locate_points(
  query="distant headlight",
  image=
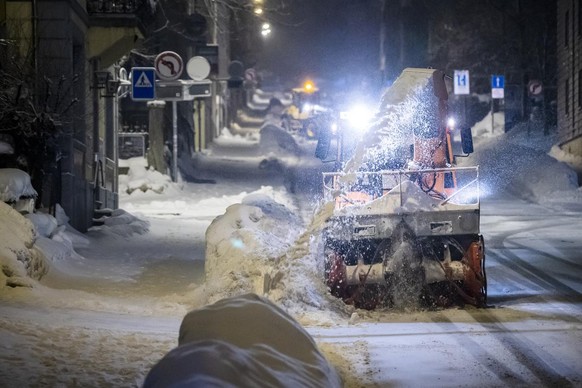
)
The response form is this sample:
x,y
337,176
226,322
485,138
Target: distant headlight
x,y
451,123
333,127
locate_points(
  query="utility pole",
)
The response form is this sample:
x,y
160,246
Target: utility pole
x,y
216,84
382,43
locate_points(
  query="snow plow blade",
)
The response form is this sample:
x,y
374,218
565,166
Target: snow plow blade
x,y
389,243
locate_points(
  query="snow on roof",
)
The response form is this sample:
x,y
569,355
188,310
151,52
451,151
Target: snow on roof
x,y
6,148
14,184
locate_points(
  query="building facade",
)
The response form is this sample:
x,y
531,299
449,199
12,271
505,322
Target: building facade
x,y
569,54
73,46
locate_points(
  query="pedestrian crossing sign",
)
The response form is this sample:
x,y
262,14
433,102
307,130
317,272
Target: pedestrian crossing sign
x,y
143,83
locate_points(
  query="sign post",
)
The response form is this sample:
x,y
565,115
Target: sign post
x,y
497,86
497,92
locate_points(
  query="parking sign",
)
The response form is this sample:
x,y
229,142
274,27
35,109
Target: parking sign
x,y
143,83
461,82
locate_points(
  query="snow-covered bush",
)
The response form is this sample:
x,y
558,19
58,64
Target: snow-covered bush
x,y
19,260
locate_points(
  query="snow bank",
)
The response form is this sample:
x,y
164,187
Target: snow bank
x,y
268,348
518,161
574,161
120,224
242,245
482,129
259,246
140,178
278,140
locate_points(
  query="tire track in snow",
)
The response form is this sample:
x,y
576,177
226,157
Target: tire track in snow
x,y
547,368
540,278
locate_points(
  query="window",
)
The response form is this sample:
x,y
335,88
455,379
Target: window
x,y
567,28
567,97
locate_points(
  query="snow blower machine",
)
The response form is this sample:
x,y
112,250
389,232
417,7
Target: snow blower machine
x,y
404,231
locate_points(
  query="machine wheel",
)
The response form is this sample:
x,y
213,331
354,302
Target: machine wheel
x,y
476,280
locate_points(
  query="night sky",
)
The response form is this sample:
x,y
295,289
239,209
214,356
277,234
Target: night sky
x,y
335,42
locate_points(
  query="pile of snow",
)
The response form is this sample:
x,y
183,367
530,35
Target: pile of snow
x,y
278,140
519,162
482,129
140,178
15,184
120,223
574,161
56,239
260,246
268,348
242,246
228,137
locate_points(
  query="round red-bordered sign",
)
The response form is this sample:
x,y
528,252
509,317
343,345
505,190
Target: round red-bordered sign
x,y
535,87
169,65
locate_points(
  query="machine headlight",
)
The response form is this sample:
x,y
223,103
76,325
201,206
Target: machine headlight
x,y
358,117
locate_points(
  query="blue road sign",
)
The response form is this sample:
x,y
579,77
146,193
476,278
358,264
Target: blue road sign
x,y
143,83
497,82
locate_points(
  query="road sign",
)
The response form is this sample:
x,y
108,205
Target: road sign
x,y
169,65
182,90
461,82
143,83
535,87
497,82
198,68
497,86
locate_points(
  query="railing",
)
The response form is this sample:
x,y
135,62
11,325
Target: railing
x,y
455,185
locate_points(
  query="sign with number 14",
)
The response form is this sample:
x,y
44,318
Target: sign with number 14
x,y
461,82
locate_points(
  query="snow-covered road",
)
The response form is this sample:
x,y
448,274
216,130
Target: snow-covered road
x,y
105,318
531,335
